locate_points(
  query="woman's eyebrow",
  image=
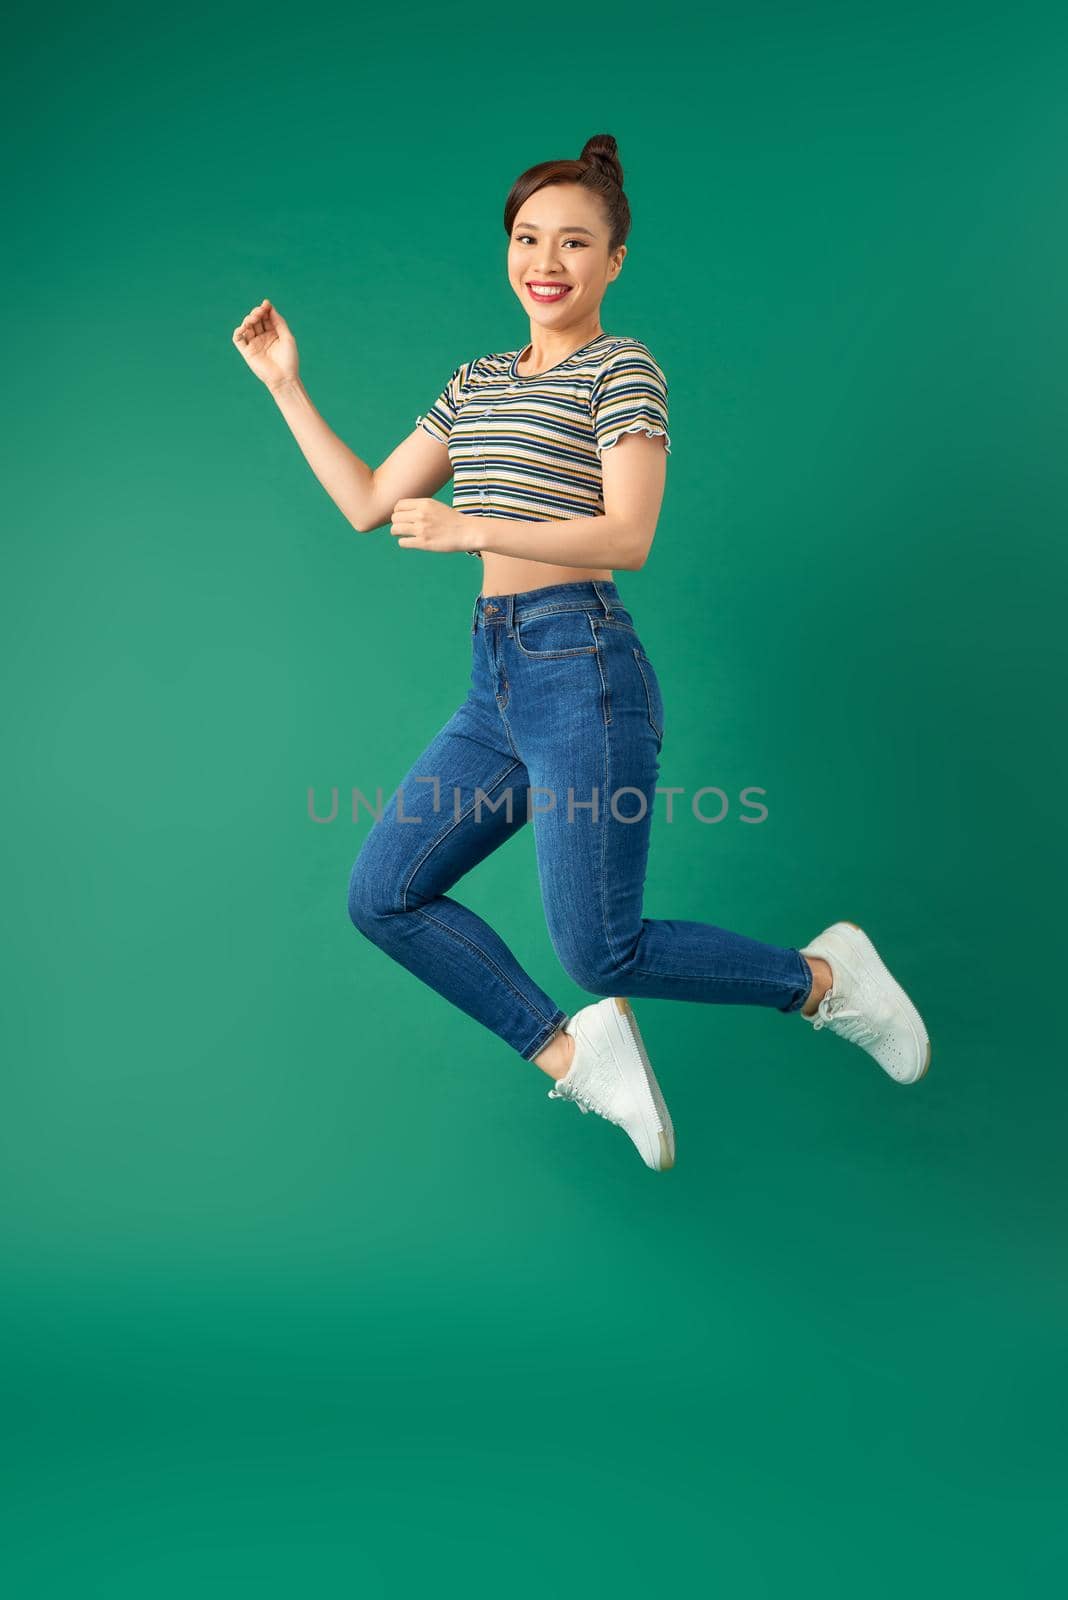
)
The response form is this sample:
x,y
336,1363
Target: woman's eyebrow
x,y
577,229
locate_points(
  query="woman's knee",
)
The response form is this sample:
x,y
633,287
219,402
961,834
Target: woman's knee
x,y
589,963
373,897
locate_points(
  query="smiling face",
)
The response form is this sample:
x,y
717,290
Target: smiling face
x,y
559,243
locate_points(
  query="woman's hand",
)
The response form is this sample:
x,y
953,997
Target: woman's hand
x,y
428,525
266,343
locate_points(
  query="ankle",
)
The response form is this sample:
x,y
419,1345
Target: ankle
x,y
556,1057
821,982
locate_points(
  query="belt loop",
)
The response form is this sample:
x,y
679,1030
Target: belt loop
x,y
601,598
474,613
511,615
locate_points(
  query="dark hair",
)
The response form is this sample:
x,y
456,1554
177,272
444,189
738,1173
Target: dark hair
x,y
597,168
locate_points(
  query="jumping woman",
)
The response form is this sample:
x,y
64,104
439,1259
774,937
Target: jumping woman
x,y
558,456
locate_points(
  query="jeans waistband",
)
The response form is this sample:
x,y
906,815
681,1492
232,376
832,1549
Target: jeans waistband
x,y
579,596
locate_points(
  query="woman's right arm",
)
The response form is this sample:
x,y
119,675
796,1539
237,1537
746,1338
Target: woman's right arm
x,y
364,495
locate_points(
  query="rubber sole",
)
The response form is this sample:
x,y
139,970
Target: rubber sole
x,y
666,1133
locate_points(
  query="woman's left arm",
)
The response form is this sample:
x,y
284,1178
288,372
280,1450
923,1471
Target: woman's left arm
x,y
633,476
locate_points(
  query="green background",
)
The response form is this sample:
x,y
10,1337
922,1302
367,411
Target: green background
x,y
307,1286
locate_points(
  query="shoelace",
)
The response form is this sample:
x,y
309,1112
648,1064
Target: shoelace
x,y
571,1094
584,1103
844,1020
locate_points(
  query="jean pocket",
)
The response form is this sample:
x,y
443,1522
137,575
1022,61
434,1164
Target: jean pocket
x,y
554,635
654,700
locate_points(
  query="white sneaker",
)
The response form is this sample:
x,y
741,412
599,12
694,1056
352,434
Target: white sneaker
x,y
610,1073
867,1006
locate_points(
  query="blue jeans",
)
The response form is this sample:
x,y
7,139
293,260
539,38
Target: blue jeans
x,y
562,726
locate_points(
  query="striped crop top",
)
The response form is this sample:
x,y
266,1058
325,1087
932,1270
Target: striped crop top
x,y
530,448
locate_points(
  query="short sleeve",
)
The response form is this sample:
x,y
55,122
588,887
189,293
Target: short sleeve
x,y
438,420
629,395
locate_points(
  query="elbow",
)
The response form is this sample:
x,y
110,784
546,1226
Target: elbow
x,y
365,524
367,521
636,552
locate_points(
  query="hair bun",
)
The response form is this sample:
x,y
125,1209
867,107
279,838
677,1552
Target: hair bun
x,y
602,152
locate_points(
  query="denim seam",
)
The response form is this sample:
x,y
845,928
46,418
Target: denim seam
x,y
606,688
604,851
420,911
508,733
547,655
523,615
441,837
648,697
477,949
491,668
704,977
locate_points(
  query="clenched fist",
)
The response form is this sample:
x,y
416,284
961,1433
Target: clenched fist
x,y
267,345
428,525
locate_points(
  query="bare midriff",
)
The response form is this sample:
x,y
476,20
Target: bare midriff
x,y
513,575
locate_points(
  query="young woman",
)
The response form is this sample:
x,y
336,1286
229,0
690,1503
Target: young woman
x,y
558,455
